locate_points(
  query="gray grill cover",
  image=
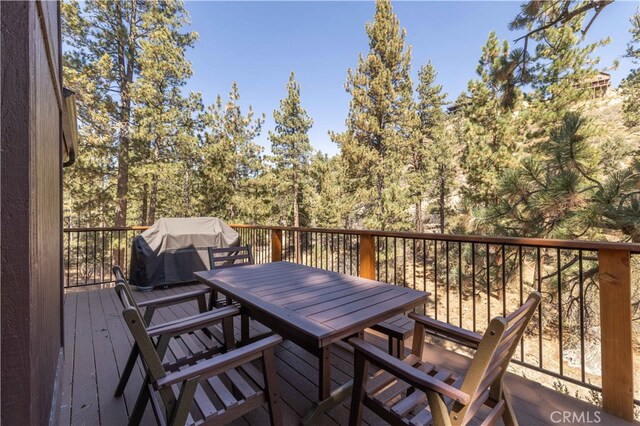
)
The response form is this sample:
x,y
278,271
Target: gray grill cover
x,y
173,249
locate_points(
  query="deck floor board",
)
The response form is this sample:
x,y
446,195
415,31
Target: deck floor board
x,y
97,344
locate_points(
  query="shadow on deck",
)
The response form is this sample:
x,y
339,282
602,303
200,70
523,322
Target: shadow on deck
x,y
97,344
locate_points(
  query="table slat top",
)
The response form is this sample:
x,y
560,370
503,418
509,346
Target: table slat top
x,y
322,304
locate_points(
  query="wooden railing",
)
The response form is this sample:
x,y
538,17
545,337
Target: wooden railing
x,y
582,332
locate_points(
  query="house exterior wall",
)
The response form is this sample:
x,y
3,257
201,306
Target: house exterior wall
x,y
30,182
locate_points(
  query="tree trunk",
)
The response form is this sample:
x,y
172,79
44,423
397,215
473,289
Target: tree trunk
x,y
419,220
379,187
187,193
153,199
126,67
123,171
145,206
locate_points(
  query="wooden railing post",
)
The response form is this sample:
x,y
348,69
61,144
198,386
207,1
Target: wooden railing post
x,y
276,245
367,257
615,331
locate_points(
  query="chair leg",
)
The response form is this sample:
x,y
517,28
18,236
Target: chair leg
x,y
141,404
360,368
227,331
271,388
128,368
184,402
439,410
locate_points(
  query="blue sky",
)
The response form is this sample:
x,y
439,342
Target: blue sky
x,y
257,44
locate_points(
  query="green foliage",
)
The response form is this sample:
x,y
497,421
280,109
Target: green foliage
x,y
565,191
230,173
125,61
291,153
379,125
630,86
494,122
432,165
546,195
561,67
330,204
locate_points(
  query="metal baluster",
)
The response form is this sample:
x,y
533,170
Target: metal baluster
x,y
560,343
473,284
581,298
446,245
460,283
435,276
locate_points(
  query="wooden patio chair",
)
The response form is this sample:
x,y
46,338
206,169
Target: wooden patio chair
x,y
230,257
213,390
416,392
205,317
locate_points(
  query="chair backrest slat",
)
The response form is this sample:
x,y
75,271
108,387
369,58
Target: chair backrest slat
x,y
224,257
494,353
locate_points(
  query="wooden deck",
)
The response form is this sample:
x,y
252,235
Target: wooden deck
x,y
97,343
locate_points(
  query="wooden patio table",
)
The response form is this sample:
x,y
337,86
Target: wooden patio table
x,y
313,308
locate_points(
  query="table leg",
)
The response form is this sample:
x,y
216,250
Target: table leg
x,y
324,382
327,399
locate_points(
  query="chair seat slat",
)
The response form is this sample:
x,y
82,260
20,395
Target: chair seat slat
x,y
240,384
422,418
203,402
222,392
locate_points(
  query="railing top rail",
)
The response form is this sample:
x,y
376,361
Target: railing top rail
x,y
480,239
107,228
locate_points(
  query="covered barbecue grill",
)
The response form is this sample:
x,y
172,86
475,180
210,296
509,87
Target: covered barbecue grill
x,y
171,250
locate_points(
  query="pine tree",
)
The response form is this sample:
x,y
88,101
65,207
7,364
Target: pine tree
x,y
557,133
493,128
164,125
568,189
291,151
231,170
538,17
546,196
330,208
560,68
630,86
102,65
433,156
379,125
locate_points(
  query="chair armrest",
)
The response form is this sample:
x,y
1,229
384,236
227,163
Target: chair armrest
x,y
464,337
192,323
220,363
406,372
174,299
